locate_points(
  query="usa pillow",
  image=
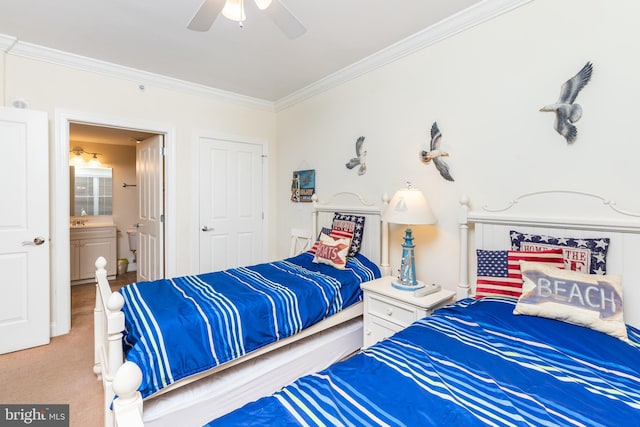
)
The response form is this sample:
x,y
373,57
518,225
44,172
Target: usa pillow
x,y
580,254
499,271
350,226
332,251
590,300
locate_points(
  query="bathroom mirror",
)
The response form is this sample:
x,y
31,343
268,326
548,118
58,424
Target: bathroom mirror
x,y
91,191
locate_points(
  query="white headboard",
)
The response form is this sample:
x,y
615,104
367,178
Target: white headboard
x,y
375,242
562,214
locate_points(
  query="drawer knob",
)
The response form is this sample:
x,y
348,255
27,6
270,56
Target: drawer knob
x,y
368,331
389,312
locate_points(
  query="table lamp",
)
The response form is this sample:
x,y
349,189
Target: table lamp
x,y
409,207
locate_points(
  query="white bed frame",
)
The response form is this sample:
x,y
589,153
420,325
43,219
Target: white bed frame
x,y
557,213
123,378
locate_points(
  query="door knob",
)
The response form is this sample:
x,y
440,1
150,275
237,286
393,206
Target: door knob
x,y
205,228
36,242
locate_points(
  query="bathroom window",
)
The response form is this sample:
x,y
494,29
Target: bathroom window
x,y
92,191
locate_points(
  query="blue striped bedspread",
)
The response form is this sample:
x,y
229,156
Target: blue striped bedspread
x,y
175,328
472,363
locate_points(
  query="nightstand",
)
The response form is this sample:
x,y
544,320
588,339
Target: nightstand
x,y
387,310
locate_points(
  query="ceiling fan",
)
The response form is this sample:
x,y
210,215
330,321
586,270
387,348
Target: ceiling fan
x,y
234,10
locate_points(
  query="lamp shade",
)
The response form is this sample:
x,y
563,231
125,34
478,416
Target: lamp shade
x,y
409,206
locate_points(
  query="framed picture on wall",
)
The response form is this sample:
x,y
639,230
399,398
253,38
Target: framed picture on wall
x,y
303,185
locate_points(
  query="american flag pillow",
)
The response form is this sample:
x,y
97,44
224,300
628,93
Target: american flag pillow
x,y
499,271
349,226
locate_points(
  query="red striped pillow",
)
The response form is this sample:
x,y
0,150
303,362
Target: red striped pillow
x,y
314,248
499,271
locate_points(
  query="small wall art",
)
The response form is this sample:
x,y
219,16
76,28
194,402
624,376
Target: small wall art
x,y
303,185
567,113
434,153
360,159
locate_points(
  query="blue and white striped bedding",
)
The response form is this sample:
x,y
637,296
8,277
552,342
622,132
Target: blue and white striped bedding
x,y
470,364
179,327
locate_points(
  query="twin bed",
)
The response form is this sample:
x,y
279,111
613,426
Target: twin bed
x,y
200,346
475,362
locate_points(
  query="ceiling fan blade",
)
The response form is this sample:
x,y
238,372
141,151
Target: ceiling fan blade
x,y
285,19
206,15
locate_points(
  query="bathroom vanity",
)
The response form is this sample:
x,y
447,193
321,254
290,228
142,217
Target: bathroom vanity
x,y
88,242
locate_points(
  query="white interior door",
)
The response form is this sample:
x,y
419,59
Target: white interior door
x,y
150,237
24,229
231,204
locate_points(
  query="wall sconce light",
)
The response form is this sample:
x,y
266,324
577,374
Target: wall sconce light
x,y
78,160
409,207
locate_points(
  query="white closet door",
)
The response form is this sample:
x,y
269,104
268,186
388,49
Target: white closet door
x,y
230,204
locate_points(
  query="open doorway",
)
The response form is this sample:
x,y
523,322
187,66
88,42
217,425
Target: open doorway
x,y
104,190
60,207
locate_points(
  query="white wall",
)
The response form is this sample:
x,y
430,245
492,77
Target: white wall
x,y
53,88
484,87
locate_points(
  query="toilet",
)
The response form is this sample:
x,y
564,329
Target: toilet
x,y
133,242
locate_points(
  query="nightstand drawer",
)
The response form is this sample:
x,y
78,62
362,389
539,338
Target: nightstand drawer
x,y
391,310
376,329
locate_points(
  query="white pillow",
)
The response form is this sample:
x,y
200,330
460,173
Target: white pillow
x,y
590,300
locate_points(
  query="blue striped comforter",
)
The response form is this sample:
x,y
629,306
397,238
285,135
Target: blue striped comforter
x,y
179,327
473,363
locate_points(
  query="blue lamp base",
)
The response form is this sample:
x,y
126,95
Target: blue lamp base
x,y
406,280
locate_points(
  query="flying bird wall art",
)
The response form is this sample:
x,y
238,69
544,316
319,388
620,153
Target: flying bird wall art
x,y
434,153
360,159
567,113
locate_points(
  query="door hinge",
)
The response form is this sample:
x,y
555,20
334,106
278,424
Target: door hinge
x,y
263,216
162,218
164,150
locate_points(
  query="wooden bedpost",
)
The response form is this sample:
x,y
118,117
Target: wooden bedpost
x,y
314,212
127,407
108,325
463,285
384,260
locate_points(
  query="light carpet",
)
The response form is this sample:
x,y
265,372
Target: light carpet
x,y
62,371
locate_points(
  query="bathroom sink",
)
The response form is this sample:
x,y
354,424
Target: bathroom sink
x,y
92,225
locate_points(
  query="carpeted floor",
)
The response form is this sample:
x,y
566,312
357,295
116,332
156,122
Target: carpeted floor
x,y
62,371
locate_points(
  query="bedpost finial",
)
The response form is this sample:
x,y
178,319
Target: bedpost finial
x,y
385,198
115,302
464,200
101,263
127,380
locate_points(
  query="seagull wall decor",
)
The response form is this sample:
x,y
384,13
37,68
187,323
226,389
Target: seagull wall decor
x,y
567,113
434,153
360,159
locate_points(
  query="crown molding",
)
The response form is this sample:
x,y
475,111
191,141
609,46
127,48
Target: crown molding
x,y
461,21
6,42
40,53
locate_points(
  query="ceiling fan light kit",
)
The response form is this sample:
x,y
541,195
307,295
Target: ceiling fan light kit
x,y
263,4
234,10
